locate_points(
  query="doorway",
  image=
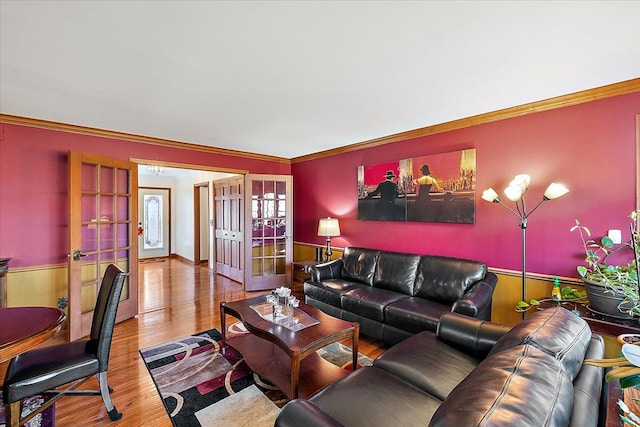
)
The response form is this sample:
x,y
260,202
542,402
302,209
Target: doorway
x,y
196,218
202,219
189,193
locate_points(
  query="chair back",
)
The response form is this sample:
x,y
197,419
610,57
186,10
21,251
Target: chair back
x,y
104,314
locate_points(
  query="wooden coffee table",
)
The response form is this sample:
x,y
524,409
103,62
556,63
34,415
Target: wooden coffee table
x,y
285,357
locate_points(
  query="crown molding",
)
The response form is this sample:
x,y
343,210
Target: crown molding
x,y
84,130
608,91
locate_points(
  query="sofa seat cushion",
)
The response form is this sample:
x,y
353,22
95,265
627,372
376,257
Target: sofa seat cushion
x,y
415,314
521,386
419,360
556,331
371,396
444,279
369,302
329,291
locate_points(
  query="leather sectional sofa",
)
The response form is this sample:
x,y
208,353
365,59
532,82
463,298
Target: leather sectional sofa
x,y
396,295
470,373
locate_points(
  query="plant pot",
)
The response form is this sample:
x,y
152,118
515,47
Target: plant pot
x,y
604,301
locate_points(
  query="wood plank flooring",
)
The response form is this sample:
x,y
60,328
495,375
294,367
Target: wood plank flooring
x,y
176,299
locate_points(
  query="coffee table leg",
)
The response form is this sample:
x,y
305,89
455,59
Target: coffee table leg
x,y
355,338
223,325
295,371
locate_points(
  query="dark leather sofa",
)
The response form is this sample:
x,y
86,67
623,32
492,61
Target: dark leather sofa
x,y
470,373
395,295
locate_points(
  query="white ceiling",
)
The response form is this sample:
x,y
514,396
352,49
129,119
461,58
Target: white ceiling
x,y
290,78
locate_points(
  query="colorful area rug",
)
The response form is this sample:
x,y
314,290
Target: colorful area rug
x,y
46,418
200,386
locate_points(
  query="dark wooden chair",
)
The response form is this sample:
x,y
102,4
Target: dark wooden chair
x,y
42,371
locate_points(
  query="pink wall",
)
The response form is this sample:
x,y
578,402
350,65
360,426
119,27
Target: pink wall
x,y
565,145
589,147
33,184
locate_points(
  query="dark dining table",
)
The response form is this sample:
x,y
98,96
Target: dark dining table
x,y
22,328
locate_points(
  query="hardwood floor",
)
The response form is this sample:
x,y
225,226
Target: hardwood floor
x,y
176,299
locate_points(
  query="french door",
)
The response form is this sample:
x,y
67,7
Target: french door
x,y
268,244
102,211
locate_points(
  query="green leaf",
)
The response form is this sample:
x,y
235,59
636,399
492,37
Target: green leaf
x,y
568,292
522,304
582,270
572,293
534,302
607,242
631,381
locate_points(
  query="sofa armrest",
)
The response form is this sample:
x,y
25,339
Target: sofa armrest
x,y
472,336
328,270
300,412
477,300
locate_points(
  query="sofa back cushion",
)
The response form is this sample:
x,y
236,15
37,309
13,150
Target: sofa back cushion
x,y
396,272
556,331
444,279
521,386
359,264
587,388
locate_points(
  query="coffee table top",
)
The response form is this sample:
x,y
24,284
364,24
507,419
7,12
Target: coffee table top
x,y
305,340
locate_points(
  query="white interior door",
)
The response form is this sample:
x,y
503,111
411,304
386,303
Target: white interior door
x,y
154,214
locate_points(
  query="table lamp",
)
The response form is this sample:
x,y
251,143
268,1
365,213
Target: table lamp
x,y
328,227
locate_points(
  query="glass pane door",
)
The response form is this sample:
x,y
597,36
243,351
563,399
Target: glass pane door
x,y
101,233
269,248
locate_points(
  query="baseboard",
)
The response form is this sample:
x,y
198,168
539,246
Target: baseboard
x,y
181,258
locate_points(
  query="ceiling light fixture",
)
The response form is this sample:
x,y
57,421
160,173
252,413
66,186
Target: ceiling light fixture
x,y
156,170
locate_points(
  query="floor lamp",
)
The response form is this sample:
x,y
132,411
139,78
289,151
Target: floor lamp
x,y
515,192
328,227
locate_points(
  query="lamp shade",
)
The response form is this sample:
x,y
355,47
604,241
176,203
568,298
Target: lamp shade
x,y
490,195
555,190
523,180
514,192
328,227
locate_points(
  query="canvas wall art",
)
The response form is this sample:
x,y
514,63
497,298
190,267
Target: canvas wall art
x,y
433,188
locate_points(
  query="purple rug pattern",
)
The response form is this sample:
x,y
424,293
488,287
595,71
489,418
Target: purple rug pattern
x,y
47,418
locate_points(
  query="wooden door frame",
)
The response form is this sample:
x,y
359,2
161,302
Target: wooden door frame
x,y
197,205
